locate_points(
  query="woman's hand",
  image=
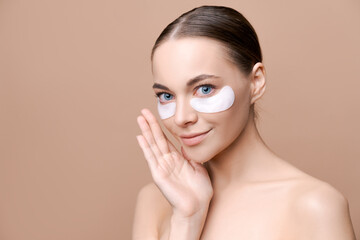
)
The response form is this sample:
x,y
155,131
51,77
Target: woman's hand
x,y
185,184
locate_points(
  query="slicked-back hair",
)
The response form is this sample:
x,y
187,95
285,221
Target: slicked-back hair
x,y
223,24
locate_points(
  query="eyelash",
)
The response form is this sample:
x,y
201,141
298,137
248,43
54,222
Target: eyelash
x,y
206,85
195,90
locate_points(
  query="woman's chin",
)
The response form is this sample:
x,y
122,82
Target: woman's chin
x,y
196,155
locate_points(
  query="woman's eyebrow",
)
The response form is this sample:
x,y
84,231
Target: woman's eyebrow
x,y
160,86
199,78
189,83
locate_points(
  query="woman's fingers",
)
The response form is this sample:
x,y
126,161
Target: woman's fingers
x,y
156,145
157,132
172,148
149,156
147,133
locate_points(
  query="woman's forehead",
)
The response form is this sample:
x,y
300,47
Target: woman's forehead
x,y
185,58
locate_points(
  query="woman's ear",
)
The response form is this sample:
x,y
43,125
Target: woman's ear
x,y
258,82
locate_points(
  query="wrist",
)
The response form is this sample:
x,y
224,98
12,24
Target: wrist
x,y
191,211
187,227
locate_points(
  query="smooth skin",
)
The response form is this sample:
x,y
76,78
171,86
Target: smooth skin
x,y
230,185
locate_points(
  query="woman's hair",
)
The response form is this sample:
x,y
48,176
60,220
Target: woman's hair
x,y
223,24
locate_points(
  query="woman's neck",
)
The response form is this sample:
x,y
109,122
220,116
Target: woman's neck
x,y
247,159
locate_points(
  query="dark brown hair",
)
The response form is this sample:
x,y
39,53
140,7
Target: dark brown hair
x,y
223,24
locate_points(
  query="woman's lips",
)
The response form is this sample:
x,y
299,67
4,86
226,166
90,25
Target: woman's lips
x,y
193,139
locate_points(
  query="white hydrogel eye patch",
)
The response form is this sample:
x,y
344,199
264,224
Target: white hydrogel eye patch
x,y
222,101
166,110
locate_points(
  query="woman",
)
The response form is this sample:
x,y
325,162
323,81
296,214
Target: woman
x,y
225,183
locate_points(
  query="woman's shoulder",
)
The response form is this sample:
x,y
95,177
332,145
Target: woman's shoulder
x,y
307,188
151,210
319,206
317,196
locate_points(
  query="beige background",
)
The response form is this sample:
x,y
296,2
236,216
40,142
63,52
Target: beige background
x,y
74,74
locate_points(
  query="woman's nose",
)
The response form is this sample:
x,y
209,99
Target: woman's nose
x,y
185,115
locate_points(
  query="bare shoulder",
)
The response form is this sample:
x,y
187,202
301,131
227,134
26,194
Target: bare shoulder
x,y
321,210
320,199
151,209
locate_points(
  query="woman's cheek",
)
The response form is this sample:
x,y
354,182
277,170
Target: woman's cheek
x,y
169,127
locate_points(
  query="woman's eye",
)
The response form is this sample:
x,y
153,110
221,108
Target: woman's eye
x,y
165,97
204,90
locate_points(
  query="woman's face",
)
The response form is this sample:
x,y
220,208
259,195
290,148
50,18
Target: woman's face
x,y
189,68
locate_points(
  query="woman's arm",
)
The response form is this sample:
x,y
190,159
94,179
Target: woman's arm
x,y
187,228
152,209
185,184
149,212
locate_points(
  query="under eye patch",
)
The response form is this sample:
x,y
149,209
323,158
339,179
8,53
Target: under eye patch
x,y
222,101
166,110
